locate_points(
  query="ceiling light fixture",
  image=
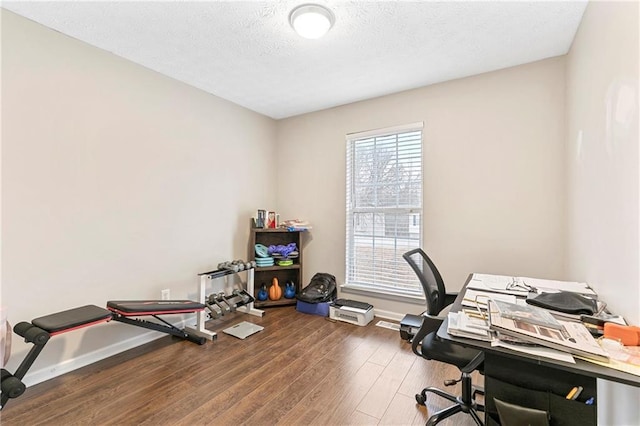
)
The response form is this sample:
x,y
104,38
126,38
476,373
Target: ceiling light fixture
x,y
311,20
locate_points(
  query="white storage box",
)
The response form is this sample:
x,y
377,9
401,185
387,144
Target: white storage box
x,y
359,316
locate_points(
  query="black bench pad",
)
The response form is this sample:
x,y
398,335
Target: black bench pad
x,y
153,307
72,318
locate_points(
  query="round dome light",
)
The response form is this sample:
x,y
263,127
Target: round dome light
x,y
311,20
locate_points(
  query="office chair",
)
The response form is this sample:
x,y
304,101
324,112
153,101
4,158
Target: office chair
x,y
427,345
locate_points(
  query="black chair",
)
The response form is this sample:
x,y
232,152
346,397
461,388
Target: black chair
x,y
427,345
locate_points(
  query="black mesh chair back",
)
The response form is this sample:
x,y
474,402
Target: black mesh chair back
x,y
430,278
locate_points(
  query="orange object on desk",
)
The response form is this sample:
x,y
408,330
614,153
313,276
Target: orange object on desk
x,y
629,335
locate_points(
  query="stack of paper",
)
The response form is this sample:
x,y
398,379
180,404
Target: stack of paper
x,y
479,299
552,286
462,325
496,284
522,286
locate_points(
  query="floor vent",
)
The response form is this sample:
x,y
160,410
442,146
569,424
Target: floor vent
x,y
389,325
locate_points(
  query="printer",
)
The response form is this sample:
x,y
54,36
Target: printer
x,y
351,311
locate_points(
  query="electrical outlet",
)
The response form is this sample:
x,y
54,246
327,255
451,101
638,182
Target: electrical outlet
x,y
166,294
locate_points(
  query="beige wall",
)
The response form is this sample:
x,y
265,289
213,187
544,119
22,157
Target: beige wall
x,y
603,173
494,197
117,182
602,154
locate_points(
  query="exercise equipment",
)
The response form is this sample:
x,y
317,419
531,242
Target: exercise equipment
x,y
236,265
214,313
40,330
263,259
219,304
290,290
261,250
124,310
223,299
262,293
282,251
275,292
239,299
264,262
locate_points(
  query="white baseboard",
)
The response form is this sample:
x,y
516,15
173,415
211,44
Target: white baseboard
x,y
34,377
388,314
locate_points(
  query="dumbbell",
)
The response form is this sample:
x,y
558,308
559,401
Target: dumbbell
x,y
223,297
213,299
213,312
229,266
241,297
239,263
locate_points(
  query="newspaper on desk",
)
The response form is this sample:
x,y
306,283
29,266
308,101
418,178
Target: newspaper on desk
x,y
572,337
540,351
553,286
479,299
522,286
459,324
496,284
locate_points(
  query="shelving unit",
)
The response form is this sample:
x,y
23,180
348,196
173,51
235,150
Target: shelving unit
x,y
265,275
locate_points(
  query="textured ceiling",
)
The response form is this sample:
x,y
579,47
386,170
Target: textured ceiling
x,y
247,53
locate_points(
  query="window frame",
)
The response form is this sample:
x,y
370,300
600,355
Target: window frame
x,y
377,289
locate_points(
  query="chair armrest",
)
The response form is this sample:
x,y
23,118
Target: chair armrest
x,y
430,324
474,364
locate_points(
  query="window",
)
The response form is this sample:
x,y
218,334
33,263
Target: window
x,y
384,209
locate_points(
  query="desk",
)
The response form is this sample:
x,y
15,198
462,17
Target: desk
x,y
535,381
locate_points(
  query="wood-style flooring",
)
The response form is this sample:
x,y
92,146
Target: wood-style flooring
x,y
300,370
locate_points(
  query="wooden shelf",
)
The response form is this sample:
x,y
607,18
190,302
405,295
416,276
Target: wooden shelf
x,y
273,230
268,303
265,275
277,268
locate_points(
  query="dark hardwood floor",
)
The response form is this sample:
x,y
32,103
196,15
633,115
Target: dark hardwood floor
x,y
300,370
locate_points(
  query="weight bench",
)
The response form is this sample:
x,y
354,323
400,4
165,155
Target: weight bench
x,y
40,330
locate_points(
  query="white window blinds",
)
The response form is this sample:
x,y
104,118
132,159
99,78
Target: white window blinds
x,y
384,208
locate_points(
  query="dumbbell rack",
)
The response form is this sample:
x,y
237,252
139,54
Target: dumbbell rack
x,y
205,279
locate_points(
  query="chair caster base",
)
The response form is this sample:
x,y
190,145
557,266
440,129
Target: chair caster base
x,y
421,398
